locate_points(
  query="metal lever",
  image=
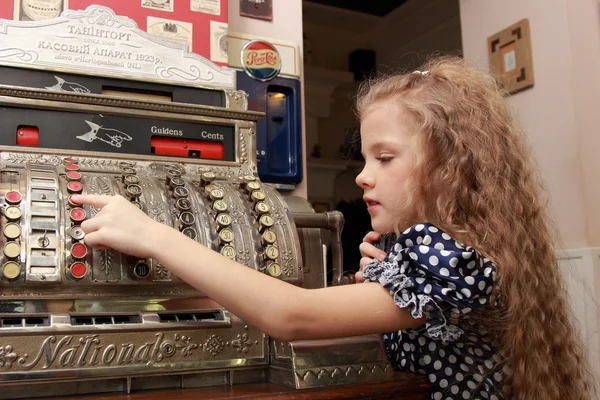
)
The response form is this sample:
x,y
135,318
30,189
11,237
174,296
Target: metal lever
x,y
334,222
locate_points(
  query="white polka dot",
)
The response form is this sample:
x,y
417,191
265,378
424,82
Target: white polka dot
x,y
484,394
459,376
432,347
427,289
453,262
420,280
422,340
433,260
427,360
464,367
442,353
471,384
478,377
466,292
414,256
437,365
406,347
432,378
452,358
444,272
446,290
448,371
433,229
469,360
424,249
419,227
439,246
489,364
466,395
458,244
427,240
489,290
454,389
443,383
487,271
419,240
494,397
408,242
467,254
446,236
437,396
481,285
470,280
471,264
498,377
479,352
403,362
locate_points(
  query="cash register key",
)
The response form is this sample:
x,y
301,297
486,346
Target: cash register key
x,y
207,177
180,192
225,236
262,208
183,204
133,191
219,206
71,167
176,182
248,178
13,197
228,251
210,188
251,186
257,196
223,220
11,270
264,222
77,215
74,187
268,237
274,269
12,231
70,160
13,213
128,171
12,250
131,179
190,232
216,194
73,176
187,218
79,251
77,233
137,204
72,203
271,253
77,270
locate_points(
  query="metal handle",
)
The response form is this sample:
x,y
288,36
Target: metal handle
x,y
334,222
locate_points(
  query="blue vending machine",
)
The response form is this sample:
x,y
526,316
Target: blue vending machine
x,y
279,133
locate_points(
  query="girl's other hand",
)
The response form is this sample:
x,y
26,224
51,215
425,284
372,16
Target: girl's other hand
x,y
120,225
368,252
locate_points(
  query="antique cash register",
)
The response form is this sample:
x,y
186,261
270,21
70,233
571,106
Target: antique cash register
x,y
90,103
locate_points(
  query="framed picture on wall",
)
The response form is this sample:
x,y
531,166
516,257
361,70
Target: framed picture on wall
x,y
510,57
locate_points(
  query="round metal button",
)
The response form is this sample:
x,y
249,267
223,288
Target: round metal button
x,y
12,249
216,194
261,207
187,218
249,178
12,231
190,232
72,203
71,167
269,237
265,221
77,215
180,192
13,197
79,251
220,206
208,177
78,270
73,176
131,179
74,187
257,196
71,160
11,270
271,253
226,236
228,251
128,171
183,204
13,213
253,186
223,220
210,188
133,191
274,269
77,233
176,182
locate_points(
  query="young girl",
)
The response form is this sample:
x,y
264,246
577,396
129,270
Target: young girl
x,y
470,291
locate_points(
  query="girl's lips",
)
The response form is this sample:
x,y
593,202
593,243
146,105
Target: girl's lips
x,y
372,205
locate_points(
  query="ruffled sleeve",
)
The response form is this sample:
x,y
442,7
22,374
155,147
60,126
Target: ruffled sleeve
x,y
429,273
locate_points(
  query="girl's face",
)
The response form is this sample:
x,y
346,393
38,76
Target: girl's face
x,y
389,161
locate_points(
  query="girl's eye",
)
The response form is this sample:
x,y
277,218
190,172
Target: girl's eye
x,y
384,159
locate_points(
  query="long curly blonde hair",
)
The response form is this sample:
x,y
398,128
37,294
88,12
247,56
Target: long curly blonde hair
x,y
474,177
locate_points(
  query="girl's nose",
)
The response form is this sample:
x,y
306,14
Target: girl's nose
x,y
364,179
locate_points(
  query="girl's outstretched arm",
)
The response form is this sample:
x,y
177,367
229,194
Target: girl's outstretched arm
x,y
281,310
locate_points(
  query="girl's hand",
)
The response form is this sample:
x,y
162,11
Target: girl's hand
x,y
368,253
120,225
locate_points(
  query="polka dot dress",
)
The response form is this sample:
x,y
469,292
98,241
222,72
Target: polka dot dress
x,y
433,275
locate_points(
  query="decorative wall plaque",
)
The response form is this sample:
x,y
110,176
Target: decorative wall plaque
x,y
261,9
98,42
510,56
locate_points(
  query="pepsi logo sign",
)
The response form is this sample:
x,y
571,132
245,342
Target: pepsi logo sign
x,y
260,60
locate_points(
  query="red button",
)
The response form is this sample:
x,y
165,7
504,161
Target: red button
x,y
73,176
70,160
78,251
74,187
77,214
78,270
72,167
72,203
13,197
